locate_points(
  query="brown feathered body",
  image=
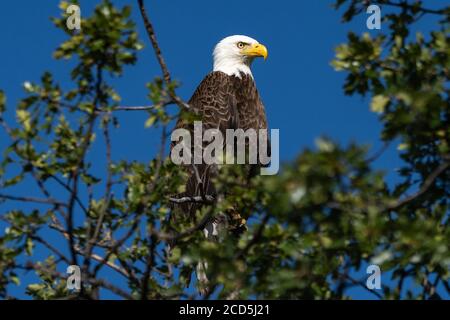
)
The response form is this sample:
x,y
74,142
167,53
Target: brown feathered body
x,y
222,102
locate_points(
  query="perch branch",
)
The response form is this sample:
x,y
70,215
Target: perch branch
x,y
207,199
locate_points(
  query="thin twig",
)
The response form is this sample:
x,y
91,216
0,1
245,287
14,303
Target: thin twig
x,y
93,238
67,187
51,248
378,154
33,199
207,199
75,174
5,126
139,108
360,284
424,188
102,260
166,74
151,34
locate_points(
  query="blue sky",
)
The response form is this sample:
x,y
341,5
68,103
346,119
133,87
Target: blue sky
x,y
302,93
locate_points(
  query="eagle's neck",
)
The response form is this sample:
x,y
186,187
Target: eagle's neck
x,y
232,67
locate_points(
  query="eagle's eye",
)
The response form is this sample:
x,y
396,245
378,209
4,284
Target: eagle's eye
x,y
241,45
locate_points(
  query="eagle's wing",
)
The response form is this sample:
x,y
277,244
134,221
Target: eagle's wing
x,y
251,111
221,102
215,103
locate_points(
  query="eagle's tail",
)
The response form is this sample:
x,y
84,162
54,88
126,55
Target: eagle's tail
x,y
213,232
221,226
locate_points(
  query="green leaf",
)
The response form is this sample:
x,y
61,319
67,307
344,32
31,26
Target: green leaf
x,y
150,121
15,280
379,103
2,101
29,245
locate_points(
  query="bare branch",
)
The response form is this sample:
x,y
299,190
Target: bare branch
x,y
51,248
207,199
113,249
103,283
67,187
102,260
380,152
360,283
93,238
84,146
136,108
139,108
151,34
5,126
109,264
424,188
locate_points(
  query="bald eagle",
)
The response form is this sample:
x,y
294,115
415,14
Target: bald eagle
x,y
227,98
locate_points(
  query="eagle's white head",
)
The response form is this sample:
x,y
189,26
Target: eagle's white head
x,y
234,55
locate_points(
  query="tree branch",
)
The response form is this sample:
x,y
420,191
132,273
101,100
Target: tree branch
x,y
207,199
424,188
378,153
360,284
139,108
67,187
49,201
102,260
93,238
151,34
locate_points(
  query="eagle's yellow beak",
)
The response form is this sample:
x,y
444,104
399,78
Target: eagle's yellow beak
x,y
256,50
